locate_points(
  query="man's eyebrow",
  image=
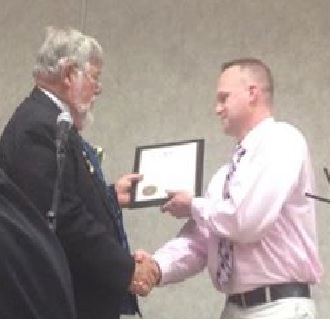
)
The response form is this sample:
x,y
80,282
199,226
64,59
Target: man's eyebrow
x,y
221,96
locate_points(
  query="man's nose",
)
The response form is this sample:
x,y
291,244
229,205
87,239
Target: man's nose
x,y
98,89
219,108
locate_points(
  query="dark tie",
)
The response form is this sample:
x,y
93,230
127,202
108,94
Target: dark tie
x,y
225,247
129,305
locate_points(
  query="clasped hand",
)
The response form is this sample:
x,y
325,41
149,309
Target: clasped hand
x,y
146,275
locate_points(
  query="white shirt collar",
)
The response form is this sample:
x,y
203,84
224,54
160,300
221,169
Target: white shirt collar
x,y
253,137
61,105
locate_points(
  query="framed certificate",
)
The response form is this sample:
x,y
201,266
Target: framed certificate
x,y
320,198
167,167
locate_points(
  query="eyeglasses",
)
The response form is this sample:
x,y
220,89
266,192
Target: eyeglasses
x,y
94,80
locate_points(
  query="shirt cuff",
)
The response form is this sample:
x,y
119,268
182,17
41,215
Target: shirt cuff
x,y
197,209
163,267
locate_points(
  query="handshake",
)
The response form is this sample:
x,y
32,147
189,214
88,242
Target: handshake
x,y
146,275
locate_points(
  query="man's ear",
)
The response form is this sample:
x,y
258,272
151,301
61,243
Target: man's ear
x,y
68,71
253,92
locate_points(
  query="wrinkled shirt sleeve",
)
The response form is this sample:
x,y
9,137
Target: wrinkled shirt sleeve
x,y
259,189
183,256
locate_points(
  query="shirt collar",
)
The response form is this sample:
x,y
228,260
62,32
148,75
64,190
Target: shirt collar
x,y
61,105
253,137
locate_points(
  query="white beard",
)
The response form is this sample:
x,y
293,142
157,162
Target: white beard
x,y
86,115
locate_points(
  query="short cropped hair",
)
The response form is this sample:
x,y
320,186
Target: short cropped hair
x,y
63,46
258,68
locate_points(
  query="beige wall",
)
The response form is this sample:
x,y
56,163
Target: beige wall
x,y
162,61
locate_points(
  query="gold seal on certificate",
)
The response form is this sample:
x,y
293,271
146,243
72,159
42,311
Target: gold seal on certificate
x,y
149,190
165,167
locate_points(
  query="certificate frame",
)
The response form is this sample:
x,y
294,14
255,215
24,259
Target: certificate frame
x,y
167,166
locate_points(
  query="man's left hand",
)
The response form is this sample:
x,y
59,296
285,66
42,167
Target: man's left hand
x,y
124,186
178,205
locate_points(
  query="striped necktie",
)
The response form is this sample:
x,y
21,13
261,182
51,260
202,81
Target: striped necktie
x,y
225,246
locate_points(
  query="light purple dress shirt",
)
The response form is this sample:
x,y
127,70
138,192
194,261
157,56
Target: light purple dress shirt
x,y
267,217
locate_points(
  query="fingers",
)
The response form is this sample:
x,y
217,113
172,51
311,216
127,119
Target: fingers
x,y
167,206
124,186
140,288
171,194
129,179
144,279
134,177
178,205
125,182
140,254
146,275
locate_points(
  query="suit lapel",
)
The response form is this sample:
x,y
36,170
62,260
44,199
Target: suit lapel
x,y
99,184
74,140
44,100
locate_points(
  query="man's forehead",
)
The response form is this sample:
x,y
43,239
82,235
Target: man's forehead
x,y
231,77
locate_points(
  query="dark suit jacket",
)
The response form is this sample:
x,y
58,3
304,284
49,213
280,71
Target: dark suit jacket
x,y
35,280
101,269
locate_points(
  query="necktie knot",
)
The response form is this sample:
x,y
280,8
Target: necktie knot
x,y
239,153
